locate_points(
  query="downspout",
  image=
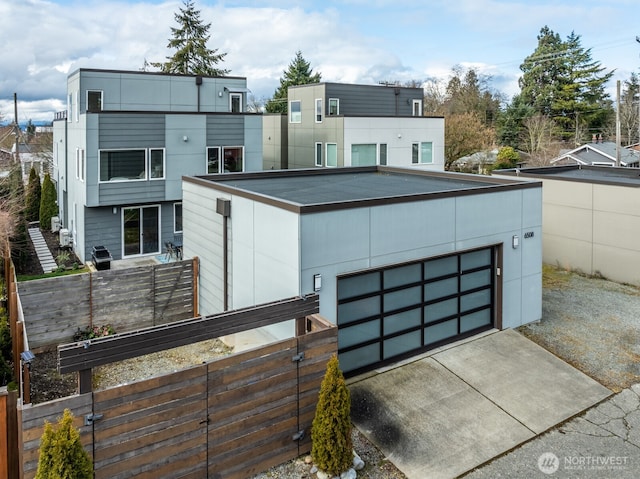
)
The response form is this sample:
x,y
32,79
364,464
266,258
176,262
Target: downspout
x,y
223,207
198,84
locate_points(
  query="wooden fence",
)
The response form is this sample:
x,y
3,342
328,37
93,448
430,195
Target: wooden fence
x,y
231,417
138,297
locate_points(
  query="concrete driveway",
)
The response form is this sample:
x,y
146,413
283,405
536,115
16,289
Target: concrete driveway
x,y
443,414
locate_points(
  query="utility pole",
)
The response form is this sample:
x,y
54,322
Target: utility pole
x,y
618,123
16,127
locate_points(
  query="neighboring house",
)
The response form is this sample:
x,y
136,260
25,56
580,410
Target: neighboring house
x,y
125,141
590,219
404,260
598,153
336,124
36,153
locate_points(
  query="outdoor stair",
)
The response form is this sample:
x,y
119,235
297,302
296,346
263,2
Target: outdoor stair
x,y
42,250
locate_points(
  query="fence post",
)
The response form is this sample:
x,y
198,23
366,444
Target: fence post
x,y
196,273
9,463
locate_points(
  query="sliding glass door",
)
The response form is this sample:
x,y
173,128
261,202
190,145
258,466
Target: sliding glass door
x,y
141,227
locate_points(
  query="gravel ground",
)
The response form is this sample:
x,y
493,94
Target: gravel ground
x,y
593,324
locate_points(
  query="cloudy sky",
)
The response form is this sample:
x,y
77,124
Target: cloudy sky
x,y
354,41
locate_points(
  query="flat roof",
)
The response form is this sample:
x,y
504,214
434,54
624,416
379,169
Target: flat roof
x,y
337,188
609,175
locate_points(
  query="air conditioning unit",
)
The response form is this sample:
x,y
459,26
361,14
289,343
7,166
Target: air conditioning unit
x,y
55,224
64,238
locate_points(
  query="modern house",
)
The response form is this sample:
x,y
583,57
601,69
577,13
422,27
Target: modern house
x,y
598,153
590,218
125,141
403,259
336,124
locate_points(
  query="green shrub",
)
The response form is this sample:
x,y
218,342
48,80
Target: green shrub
x,y
48,202
32,200
61,452
91,332
332,449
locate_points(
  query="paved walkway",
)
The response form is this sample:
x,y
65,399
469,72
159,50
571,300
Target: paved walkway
x,y
447,413
602,443
42,250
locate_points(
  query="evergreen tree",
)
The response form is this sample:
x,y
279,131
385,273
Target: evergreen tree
x,y
298,73
192,56
61,453
332,448
19,239
469,92
629,110
32,200
48,202
561,81
510,123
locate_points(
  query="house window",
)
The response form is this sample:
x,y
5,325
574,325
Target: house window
x,y
123,165
76,106
334,106
235,102
94,100
70,107
213,160
233,159
295,112
363,155
318,110
417,107
177,217
422,152
383,154
80,164
332,154
318,154
156,163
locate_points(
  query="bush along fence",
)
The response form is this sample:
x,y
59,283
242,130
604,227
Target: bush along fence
x,y
231,417
56,308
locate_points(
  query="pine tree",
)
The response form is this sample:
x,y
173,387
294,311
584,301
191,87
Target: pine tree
x,y
332,448
48,202
61,452
192,56
32,200
298,73
561,81
19,238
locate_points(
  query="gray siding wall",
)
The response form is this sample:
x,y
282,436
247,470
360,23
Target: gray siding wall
x,y
363,100
131,191
131,130
225,130
103,227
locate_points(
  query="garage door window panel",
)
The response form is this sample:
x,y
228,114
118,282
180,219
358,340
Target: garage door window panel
x,y
441,267
360,309
359,285
359,333
440,310
401,344
479,319
402,299
441,331
402,321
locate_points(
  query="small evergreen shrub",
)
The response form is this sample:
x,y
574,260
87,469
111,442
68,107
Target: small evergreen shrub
x,y
332,448
32,200
48,202
61,453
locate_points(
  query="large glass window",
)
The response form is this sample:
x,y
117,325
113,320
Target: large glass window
x,y
334,106
94,100
363,155
318,110
422,152
122,165
295,111
332,154
233,159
